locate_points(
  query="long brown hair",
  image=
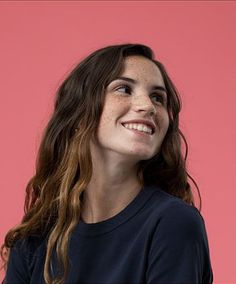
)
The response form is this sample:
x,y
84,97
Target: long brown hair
x,y
64,166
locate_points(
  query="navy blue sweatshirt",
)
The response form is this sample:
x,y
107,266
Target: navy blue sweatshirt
x,y
156,239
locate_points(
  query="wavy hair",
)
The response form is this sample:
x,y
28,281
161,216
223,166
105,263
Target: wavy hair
x,y
53,197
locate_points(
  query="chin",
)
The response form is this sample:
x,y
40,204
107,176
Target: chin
x,y
144,156
147,156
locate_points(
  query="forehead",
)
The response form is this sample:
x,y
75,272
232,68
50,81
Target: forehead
x,y
141,68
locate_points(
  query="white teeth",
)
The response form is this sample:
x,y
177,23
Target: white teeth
x,y
138,126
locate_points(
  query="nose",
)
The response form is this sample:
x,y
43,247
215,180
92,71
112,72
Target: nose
x,y
143,102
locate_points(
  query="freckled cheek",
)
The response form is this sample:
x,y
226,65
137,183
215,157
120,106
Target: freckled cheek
x,y
163,119
108,119
114,110
109,115
166,123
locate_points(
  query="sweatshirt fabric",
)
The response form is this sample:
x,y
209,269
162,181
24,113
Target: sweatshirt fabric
x,y
156,239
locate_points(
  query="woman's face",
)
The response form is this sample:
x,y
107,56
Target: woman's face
x,y
132,104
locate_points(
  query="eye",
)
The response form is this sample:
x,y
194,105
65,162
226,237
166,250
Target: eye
x,y
124,87
159,97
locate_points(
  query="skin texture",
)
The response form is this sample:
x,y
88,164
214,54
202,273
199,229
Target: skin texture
x,y
117,150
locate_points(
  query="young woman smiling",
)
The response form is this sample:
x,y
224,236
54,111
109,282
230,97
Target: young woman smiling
x,y
110,201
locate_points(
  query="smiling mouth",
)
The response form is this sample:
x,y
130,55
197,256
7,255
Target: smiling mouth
x,y
139,131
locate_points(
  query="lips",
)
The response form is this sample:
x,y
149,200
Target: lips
x,y
143,133
142,121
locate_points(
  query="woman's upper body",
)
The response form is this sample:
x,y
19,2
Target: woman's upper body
x,y
157,238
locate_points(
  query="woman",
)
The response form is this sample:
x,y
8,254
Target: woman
x,y
110,201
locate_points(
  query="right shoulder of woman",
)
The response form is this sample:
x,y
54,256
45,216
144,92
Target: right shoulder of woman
x,y
22,258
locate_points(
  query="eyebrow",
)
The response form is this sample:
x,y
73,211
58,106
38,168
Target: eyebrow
x,y
155,87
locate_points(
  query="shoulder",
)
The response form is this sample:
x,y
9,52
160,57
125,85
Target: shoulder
x,y
178,242
29,247
167,204
23,255
174,216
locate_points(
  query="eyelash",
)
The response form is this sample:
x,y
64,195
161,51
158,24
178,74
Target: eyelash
x,y
126,86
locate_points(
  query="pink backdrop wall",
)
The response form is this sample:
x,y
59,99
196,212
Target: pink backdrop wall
x,y
41,41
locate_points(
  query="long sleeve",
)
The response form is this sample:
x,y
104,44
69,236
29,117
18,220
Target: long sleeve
x,y
17,268
179,252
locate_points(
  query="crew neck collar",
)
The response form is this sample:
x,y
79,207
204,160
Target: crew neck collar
x,y
92,229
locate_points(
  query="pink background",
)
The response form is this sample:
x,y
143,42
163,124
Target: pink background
x,y
41,41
